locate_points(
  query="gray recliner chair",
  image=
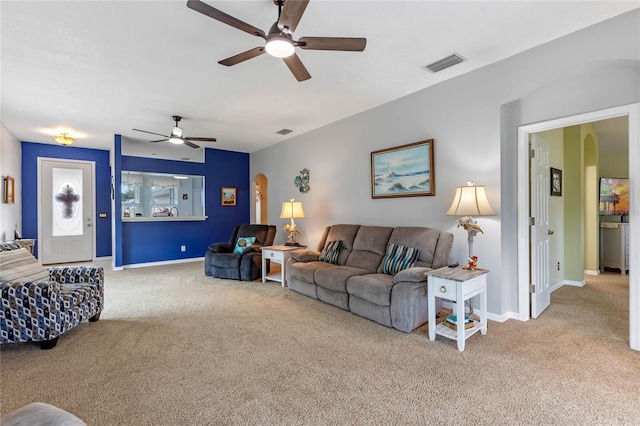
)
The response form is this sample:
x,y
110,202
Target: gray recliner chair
x,y
221,261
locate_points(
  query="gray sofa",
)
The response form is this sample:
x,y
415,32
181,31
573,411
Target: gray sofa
x,y
356,283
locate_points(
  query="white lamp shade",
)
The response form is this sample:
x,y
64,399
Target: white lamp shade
x,y
470,201
292,210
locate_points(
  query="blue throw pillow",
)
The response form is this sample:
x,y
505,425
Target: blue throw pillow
x,y
398,258
242,243
331,252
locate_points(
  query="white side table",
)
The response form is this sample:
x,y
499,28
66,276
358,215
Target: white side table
x,y
278,254
458,285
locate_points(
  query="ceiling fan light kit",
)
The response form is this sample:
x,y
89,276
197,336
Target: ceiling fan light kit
x,y
279,41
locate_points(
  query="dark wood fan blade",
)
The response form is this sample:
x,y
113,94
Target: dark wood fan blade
x,y
191,144
218,15
297,67
291,13
159,140
333,43
201,139
151,133
241,57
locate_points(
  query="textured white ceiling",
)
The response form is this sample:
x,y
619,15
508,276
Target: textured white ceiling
x,y
97,68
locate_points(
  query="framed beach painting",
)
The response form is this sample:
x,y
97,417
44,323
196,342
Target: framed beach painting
x,y
403,171
228,196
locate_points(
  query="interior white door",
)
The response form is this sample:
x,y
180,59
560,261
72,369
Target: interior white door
x,y
540,232
66,211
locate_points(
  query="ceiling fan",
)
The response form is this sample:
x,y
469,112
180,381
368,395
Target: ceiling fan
x,y
176,135
279,40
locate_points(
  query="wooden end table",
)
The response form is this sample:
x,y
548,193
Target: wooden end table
x,y
458,285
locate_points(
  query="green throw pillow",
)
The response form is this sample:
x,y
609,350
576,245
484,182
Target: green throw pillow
x,y
398,258
331,252
242,243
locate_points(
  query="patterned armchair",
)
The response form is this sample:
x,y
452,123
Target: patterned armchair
x,y
42,310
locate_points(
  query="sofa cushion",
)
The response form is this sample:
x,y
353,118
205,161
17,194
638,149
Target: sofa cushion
x,y
374,288
305,255
335,276
424,239
331,252
305,271
242,243
369,247
19,266
398,257
346,234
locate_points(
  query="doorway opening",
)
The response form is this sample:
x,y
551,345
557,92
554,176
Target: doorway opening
x,y
632,112
260,200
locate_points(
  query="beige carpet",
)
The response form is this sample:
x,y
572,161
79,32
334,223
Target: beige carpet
x,y
175,347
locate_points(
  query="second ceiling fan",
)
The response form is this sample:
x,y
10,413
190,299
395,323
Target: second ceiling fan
x,y
279,40
176,136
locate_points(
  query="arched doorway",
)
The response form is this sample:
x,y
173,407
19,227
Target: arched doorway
x,y
260,200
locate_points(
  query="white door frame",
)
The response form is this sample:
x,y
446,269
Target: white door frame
x,y
632,111
93,199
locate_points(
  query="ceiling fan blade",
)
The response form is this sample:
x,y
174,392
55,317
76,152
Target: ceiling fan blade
x,y
291,13
333,43
218,15
297,67
151,133
201,139
241,57
159,140
191,144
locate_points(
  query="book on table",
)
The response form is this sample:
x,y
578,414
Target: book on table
x,y
452,322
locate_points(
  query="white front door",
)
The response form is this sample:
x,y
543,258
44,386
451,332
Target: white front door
x,y
539,209
66,211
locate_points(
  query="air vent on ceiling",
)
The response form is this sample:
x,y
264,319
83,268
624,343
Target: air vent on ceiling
x,y
447,62
284,131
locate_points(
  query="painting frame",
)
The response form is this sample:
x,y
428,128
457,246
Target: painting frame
x,y
555,179
414,174
9,190
228,196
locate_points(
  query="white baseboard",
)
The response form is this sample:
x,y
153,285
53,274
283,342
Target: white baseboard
x,y
588,272
164,262
574,283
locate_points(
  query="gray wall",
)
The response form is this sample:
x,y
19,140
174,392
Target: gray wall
x,y
473,119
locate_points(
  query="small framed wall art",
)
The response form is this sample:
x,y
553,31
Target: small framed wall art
x,y
228,196
403,171
556,182
9,190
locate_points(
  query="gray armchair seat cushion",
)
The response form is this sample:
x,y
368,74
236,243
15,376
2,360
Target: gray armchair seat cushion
x,y
221,262
356,282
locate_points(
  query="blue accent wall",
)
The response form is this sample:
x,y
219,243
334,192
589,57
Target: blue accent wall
x,y
144,242
31,151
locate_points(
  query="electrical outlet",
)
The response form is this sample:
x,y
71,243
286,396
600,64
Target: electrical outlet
x,y
183,248
558,266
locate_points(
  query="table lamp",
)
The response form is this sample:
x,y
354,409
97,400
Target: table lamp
x,y
291,210
470,201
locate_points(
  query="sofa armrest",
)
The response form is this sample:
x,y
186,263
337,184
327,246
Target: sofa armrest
x,y
305,255
77,274
221,248
414,274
